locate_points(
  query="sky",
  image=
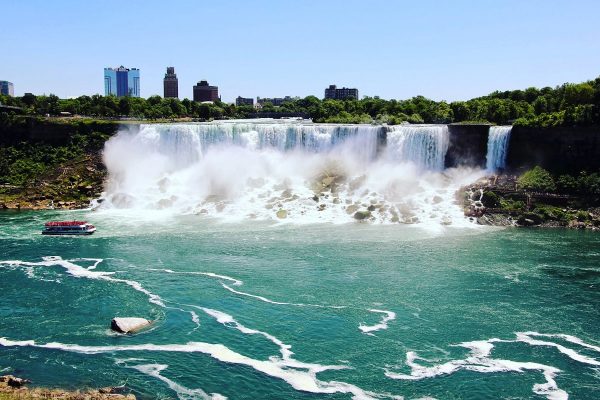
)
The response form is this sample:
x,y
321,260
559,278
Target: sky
x,y
444,50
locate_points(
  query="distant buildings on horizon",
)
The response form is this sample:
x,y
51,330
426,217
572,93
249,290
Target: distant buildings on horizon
x,y
244,101
122,82
171,84
332,92
204,92
7,88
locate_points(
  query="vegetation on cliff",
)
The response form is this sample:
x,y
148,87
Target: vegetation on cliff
x,y
536,197
565,105
51,163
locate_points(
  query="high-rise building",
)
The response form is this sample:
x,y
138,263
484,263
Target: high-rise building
x,y
244,101
332,92
122,82
171,84
7,88
204,92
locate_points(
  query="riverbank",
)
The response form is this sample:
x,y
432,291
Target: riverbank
x,y
500,201
12,388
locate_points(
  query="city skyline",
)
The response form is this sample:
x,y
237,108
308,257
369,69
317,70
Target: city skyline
x,y
444,52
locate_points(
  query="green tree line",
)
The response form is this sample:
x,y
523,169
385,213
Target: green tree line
x,y
565,105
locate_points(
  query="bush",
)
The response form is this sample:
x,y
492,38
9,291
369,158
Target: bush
x,y
537,179
490,199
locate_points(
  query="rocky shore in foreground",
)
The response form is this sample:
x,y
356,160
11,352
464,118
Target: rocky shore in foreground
x,y
12,387
500,201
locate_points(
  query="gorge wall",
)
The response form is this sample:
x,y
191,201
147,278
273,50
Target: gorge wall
x,y
561,149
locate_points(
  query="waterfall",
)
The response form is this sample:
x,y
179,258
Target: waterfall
x,y
424,145
497,147
289,170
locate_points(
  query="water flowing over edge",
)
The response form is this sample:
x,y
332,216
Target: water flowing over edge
x,y
297,172
497,147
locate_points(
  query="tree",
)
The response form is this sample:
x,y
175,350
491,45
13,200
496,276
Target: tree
x,y
575,94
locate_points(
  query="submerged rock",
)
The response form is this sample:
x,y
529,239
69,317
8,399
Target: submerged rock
x,y
128,324
282,214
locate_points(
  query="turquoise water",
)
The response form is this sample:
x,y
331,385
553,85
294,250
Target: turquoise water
x,y
369,311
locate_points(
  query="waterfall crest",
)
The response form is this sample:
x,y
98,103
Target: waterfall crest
x,y
424,145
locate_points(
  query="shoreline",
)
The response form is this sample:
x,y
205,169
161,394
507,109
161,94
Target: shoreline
x,y
14,388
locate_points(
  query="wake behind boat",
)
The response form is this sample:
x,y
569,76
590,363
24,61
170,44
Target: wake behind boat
x,y
68,228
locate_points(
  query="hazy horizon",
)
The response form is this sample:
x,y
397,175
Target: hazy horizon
x,y
272,49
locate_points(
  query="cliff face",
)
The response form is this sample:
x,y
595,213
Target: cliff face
x,y
53,132
559,150
52,164
468,146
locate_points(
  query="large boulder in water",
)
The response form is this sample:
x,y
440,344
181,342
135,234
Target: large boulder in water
x,y
128,325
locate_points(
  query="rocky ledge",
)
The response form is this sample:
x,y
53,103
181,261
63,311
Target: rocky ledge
x,y
12,387
499,201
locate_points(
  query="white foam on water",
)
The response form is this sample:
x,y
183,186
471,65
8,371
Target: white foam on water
x,y
383,324
236,171
236,282
183,392
228,320
568,338
80,272
298,375
572,354
480,360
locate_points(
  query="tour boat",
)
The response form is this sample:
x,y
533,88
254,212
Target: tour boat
x,y
68,228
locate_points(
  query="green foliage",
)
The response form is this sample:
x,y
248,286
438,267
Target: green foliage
x,y
537,179
565,105
512,205
548,212
490,199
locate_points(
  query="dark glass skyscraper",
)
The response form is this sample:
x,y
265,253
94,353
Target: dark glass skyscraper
x,y
171,84
122,82
7,88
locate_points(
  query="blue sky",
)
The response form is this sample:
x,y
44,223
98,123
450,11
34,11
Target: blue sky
x,y
445,50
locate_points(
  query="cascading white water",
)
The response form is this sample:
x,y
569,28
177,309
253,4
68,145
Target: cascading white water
x,y
497,147
425,145
284,170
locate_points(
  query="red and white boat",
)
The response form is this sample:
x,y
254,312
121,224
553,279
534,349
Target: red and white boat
x,y
68,228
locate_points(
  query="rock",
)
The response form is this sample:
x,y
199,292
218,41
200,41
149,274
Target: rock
x,y
13,381
336,200
113,390
315,198
361,215
321,207
371,208
577,225
351,209
282,214
327,181
129,324
437,199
